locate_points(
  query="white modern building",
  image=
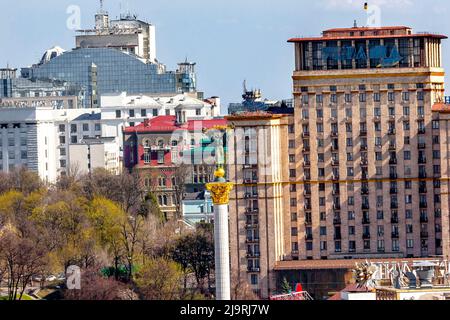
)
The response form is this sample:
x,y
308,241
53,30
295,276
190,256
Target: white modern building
x,y
92,153
122,110
52,139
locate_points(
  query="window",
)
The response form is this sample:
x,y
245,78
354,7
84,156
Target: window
x,y
85,127
11,142
362,97
73,139
420,96
24,155
132,114
435,124
62,140
254,279
98,127
143,113
62,163
118,114
351,215
348,98
405,96
160,157
23,141
319,98
62,151
376,97
292,158
391,96
198,112
155,112
73,128
62,128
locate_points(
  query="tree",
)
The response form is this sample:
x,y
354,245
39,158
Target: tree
x,y
62,221
107,219
159,279
286,286
179,179
20,180
22,258
96,287
240,289
195,253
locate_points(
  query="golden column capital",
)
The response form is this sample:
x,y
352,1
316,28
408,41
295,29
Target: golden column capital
x,y
220,192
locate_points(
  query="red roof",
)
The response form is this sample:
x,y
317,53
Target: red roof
x,y
441,107
419,35
168,124
367,28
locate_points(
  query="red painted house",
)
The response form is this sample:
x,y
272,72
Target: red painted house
x,y
156,147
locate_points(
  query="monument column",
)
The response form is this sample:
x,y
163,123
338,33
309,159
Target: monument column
x,y
220,191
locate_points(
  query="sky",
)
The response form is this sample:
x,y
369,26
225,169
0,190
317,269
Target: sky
x,y
230,40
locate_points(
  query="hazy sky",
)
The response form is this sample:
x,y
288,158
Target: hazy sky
x,y
230,40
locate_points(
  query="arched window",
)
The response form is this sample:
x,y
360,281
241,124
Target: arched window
x,y
146,143
165,202
162,181
160,201
161,143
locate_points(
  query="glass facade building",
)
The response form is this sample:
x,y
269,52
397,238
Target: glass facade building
x,y
102,70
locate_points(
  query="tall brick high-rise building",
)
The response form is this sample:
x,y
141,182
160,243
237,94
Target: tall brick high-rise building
x,y
363,159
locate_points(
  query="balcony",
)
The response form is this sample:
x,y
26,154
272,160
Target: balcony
x,y
253,254
307,192
365,206
334,134
422,189
307,207
337,237
392,161
307,163
423,205
252,240
337,221
394,205
251,225
394,220
392,132
393,175
306,149
422,146
308,222
423,219
335,163
364,191
250,166
392,147
161,148
424,234
251,210
364,176
363,133
305,134
422,160
366,220
364,148
366,236
249,195
336,206
421,131
309,237
393,191
395,235
335,177
336,192
364,162
422,175
253,269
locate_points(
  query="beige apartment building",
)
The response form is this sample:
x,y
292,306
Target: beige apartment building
x,y
363,162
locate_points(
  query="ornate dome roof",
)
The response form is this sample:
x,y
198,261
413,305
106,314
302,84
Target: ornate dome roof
x,y
51,53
